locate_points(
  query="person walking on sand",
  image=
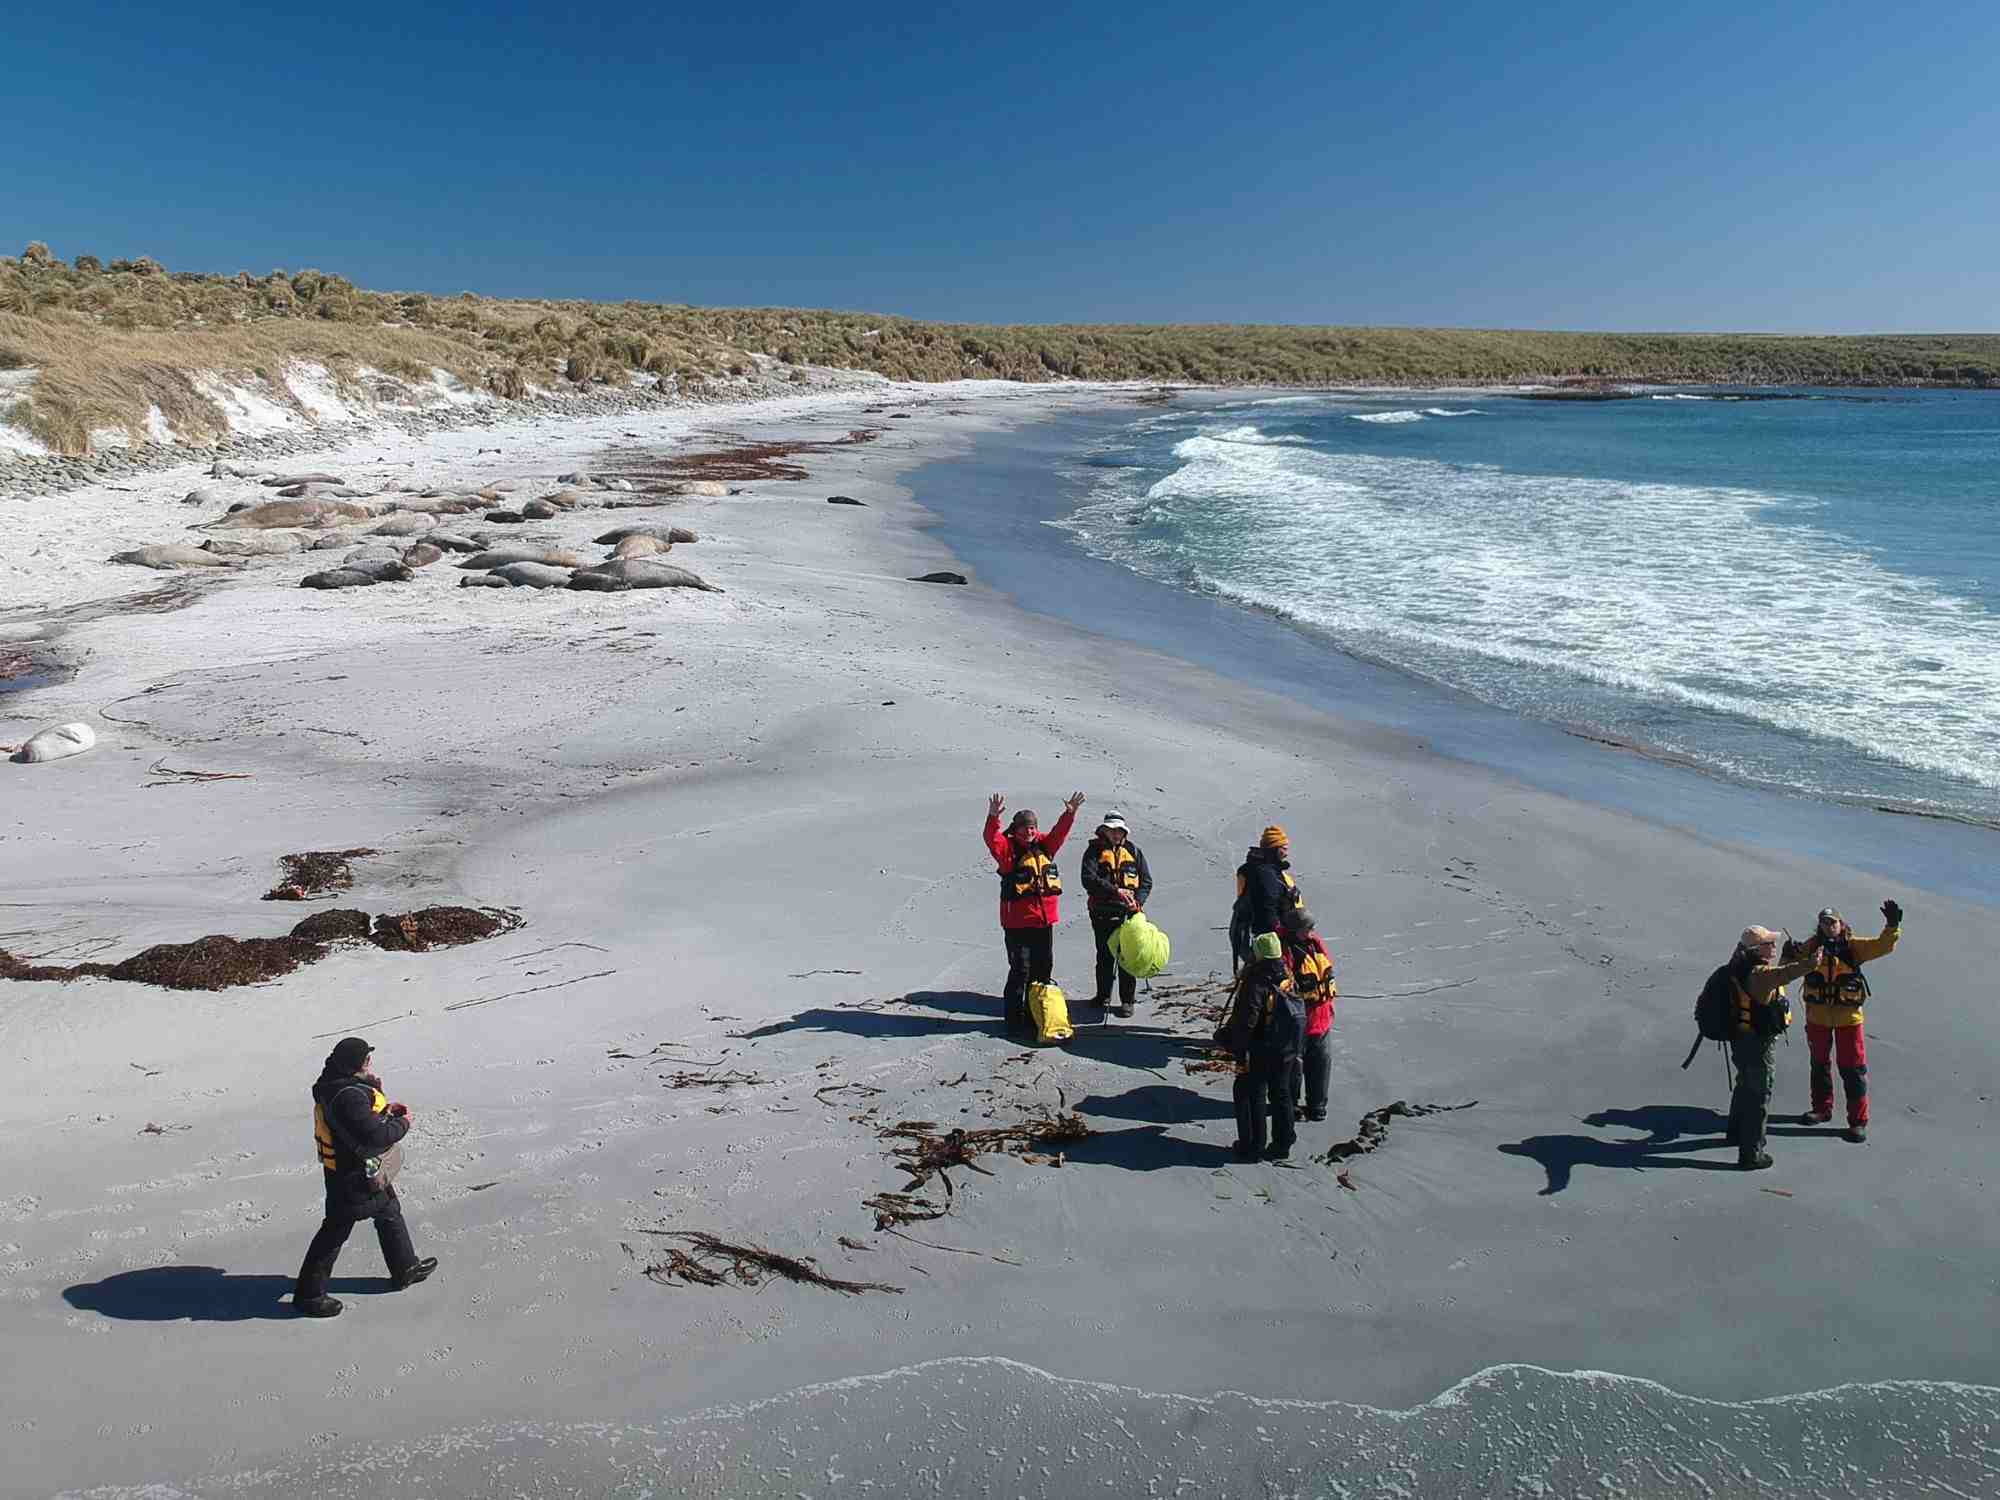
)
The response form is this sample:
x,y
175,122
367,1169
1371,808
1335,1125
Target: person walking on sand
x,y
358,1133
1263,1031
1030,897
1311,968
1835,991
1760,1015
1117,882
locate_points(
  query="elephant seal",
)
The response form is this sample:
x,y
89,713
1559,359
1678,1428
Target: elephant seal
x,y
505,517
408,523
484,581
221,470
287,481
576,476
710,487
334,539
206,494
659,529
844,500
533,575
649,573
540,510
167,556
422,555
57,743
640,544
602,583
377,553
451,541
274,515
500,557
338,578
257,544
563,499
939,578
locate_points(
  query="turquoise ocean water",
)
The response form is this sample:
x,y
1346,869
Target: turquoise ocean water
x,y
1802,593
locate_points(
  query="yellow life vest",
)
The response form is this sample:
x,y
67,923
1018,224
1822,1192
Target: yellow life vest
x,y
1033,874
1835,991
1314,976
1746,1009
1120,869
323,1132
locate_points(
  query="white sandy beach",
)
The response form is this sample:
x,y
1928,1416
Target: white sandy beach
x,y
741,829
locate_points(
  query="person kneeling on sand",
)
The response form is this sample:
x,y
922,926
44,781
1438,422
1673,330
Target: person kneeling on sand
x,y
1835,991
1263,1030
358,1133
1311,968
1030,897
1117,881
1761,1015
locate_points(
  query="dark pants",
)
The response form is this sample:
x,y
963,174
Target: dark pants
x,y
1750,1105
1317,1068
397,1251
1101,928
1847,1046
1031,959
1266,1088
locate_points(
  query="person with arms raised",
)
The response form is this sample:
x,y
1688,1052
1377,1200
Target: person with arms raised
x,y
1030,896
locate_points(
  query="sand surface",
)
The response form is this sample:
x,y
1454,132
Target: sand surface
x,y
742,831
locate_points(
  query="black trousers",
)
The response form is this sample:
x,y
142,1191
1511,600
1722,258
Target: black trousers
x,y
1101,928
1750,1104
1264,1091
1317,1069
397,1251
1031,959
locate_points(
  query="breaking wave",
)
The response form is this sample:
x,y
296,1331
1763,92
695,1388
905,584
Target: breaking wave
x,y
983,1426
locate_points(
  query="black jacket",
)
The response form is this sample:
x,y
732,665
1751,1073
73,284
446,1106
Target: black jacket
x,y
347,1102
1266,899
1266,1019
1103,895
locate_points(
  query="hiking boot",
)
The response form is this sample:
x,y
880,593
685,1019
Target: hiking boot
x,y
1242,1152
1127,1009
1756,1163
1277,1153
1814,1117
1312,1116
1102,1002
1856,1133
419,1272
317,1307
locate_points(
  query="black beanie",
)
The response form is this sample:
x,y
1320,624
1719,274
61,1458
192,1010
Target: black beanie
x,y
348,1055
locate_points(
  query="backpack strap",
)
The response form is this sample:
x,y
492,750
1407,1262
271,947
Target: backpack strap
x,y
1693,1051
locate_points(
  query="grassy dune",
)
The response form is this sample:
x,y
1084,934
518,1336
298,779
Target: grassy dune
x,y
108,341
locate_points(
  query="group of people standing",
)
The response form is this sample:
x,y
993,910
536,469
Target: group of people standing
x,y
1751,991
1279,1017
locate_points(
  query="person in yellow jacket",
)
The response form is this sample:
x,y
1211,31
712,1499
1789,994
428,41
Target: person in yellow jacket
x,y
1835,991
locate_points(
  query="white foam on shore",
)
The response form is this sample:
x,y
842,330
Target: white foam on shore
x,y
977,1426
1387,417
1455,570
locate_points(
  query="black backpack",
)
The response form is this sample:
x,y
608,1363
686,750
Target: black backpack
x,y
1715,1010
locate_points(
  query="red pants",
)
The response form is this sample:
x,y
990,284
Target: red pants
x,y
1847,1045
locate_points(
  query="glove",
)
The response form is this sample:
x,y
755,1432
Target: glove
x,y
400,1111
1893,912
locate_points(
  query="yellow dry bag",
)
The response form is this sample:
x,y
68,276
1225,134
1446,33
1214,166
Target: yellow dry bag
x,y
1142,950
1049,1010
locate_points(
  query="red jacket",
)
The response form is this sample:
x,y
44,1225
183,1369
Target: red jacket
x,y
1319,1014
1040,904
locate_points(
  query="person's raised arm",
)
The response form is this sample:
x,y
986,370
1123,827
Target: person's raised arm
x,y
991,836
1053,839
1865,949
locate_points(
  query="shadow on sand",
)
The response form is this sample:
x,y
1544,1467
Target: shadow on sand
x,y
200,1294
1672,1133
1145,1148
965,1013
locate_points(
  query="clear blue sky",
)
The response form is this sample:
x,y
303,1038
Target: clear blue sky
x,y
1778,165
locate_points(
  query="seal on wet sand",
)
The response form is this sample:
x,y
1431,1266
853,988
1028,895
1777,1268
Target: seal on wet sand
x,y
647,573
168,556
659,529
533,575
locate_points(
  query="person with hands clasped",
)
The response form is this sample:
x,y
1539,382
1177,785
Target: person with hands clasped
x,y
1835,991
358,1133
1030,896
1117,882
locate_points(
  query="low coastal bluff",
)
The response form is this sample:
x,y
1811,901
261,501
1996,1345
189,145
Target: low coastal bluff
x,y
101,358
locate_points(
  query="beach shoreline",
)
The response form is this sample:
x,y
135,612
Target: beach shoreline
x,y
740,829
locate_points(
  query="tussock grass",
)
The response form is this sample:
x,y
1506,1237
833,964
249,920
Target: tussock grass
x,y
111,339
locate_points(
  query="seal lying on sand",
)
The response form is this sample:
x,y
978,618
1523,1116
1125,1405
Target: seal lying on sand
x,y
170,555
422,555
451,541
664,532
287,481
645,545
641,573
540,510
484,581
273,515
357,575
409,523
257,544
499,557
532,575
58,743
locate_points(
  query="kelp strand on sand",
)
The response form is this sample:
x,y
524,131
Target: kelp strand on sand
x,y
715,1262
1375,1129
317,872
925,1153
220,962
